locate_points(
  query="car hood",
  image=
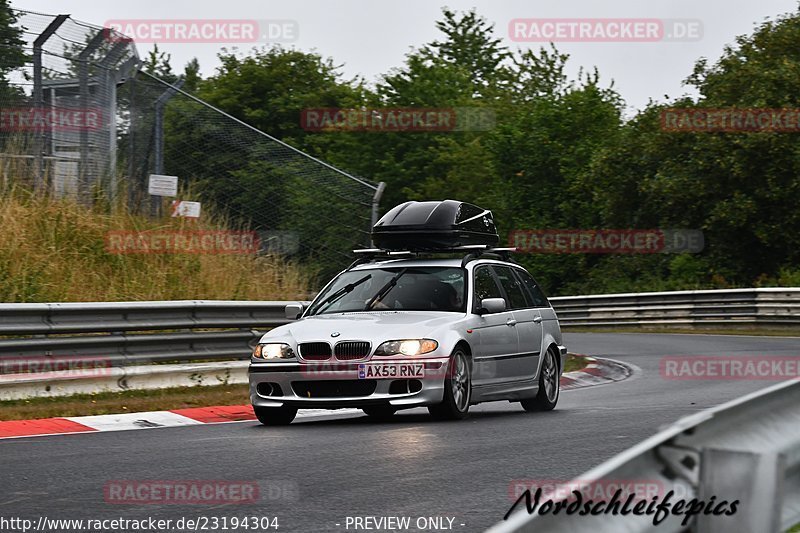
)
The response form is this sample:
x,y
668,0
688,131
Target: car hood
x,y
374,326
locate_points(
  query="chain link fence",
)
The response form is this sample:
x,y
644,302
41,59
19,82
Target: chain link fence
x,y
81,120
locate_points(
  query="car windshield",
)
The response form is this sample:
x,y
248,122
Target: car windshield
x,y
407,289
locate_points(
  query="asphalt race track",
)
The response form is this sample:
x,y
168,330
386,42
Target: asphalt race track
x,y
319,471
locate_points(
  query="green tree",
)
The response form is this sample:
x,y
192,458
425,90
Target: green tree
x,y
741,189
270,89
158,64
12,52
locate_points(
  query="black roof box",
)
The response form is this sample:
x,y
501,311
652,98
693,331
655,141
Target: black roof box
x,y
420,226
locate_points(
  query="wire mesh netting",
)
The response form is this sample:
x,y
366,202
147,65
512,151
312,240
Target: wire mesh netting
x,y
59,124
81,120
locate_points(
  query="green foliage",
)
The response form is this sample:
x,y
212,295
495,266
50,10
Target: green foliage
x,y
561,155
12,52
270,88
157,63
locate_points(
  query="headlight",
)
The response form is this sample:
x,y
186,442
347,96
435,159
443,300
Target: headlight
x,y
407,347
273,351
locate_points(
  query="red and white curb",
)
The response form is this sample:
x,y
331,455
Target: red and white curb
x,y
147,420
599,371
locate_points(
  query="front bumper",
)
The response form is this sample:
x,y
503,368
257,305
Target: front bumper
x,y
336,385
562,351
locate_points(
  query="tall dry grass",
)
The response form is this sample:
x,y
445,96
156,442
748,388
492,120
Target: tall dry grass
x,y
55,251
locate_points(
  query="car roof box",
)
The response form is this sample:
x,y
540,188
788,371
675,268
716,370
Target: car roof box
x,y
420,226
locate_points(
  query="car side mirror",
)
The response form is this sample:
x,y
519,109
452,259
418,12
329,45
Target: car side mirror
x,y
293,311
490,306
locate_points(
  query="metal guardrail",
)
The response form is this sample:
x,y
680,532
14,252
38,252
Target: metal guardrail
x,y
727,308
126,333
182,331
746,450
119,379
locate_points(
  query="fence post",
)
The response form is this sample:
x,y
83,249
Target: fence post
x,y
38,98
161,103
83,81
376,200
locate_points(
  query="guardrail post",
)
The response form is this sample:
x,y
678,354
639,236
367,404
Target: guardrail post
x,y
755,480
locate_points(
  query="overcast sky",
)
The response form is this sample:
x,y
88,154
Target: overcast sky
x,y
369,37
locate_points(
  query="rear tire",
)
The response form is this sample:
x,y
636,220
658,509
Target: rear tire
x,y
549,386
275,416
380,412
457,389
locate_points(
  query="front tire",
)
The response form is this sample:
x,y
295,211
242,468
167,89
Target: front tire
x,y
549,386
457,389
275,416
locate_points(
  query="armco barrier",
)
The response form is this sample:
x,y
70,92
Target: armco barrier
x,y
727,308
127,333
746,450
120,379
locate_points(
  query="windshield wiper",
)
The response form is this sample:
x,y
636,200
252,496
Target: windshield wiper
x,y
386,289
347,289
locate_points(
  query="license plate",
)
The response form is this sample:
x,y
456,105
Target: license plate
x,y
415,370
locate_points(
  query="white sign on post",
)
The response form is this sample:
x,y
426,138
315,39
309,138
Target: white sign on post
x,y
159,185
185,209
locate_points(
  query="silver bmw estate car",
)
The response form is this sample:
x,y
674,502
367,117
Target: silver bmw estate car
x,y
392,334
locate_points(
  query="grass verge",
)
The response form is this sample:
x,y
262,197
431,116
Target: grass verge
x,y
574,363
107,403
59,251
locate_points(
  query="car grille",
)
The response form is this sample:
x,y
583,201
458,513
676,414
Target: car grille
x,y
351,350
334,388
315,351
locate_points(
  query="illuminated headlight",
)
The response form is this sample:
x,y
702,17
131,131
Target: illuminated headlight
x,y
407,347
273,351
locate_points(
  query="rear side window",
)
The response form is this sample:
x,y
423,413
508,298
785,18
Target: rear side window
x,y
532,288
512,287
485,286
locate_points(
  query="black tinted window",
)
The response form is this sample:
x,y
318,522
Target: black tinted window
x,y
415,289
485,286
533,290
516,297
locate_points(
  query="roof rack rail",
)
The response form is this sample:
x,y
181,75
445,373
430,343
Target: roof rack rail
x,y
504,254
474,251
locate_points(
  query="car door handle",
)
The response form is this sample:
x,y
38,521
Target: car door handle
x,y
511,322
538,320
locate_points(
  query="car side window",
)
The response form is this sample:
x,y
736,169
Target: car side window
x,y
485,286
532,288
512,287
